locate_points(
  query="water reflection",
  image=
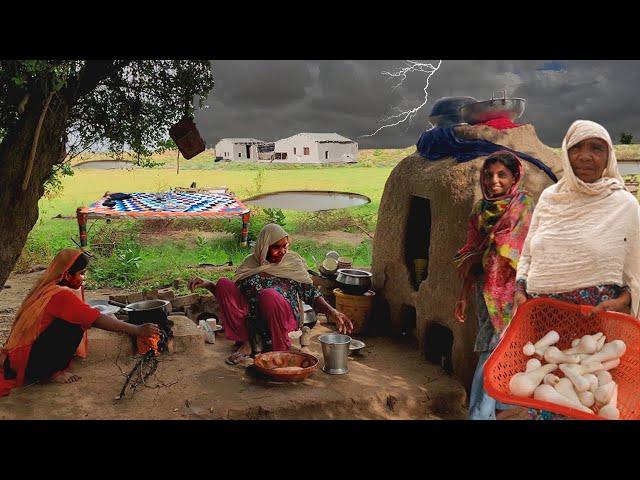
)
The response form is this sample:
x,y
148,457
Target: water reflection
x,y
308,201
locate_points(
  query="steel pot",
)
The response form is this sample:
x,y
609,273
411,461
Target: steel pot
x,y
147,311
353,281
486,110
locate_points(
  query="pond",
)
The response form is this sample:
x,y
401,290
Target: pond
x,y
104,165
629,167
308,200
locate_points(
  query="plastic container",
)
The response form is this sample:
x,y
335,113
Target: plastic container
x,y
533,320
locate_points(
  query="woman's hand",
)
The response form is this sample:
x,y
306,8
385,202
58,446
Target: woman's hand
x,y
619,304
147,330
200,283
342,322
518,299
459,312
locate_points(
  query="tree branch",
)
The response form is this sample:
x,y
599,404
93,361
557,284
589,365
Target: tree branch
x,y
93,72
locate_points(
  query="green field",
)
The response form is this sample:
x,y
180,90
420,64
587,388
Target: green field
x,y
149,254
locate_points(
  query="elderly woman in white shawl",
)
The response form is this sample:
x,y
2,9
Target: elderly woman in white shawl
x,y
583,244
265,295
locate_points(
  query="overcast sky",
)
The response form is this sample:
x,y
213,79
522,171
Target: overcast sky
x,y
272,99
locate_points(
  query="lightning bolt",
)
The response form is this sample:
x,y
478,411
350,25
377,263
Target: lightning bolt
x,y
401,75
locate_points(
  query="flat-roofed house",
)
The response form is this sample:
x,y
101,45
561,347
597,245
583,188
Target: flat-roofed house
x,y
238,148
316,148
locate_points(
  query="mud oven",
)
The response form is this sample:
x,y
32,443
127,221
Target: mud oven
x,y
423,216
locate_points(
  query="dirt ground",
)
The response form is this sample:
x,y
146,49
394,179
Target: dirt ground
x,y
388,380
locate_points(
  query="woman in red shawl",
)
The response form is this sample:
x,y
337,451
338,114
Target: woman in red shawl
x,y
50,327
488,261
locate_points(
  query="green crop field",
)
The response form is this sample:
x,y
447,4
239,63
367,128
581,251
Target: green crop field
x,y
149,254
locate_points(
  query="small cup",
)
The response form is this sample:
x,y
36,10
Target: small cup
x,y
212,322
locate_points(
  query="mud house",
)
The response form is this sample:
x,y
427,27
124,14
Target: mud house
x,y
423,215
316,148
238,148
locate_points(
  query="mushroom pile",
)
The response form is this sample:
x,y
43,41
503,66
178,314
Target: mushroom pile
x,y
585,384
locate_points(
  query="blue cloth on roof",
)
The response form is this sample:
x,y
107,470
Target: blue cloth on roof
x,y
441,142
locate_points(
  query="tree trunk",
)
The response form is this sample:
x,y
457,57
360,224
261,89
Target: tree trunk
x,y
18,209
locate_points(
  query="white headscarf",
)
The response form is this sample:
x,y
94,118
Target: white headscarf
x,y
584,234
291,266
570,184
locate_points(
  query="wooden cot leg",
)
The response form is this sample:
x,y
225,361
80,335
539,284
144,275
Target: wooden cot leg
x,y
245,229
82,215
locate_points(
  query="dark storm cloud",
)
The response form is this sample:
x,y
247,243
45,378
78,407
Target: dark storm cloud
x,y
275,99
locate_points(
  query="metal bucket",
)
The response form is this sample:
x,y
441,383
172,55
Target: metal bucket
x,y
335,349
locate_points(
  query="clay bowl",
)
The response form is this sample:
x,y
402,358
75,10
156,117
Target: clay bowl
x,y
286,366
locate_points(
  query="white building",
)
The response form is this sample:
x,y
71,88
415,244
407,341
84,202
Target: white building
x,y
238,148
316,148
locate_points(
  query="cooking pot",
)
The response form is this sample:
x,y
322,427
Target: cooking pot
x,y
446,111
479,112
353,281
146,311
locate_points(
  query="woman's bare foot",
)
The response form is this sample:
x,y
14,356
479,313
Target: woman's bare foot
x,y
240,355
66,377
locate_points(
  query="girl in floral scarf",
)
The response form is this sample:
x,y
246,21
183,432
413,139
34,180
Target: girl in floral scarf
x,y
488,261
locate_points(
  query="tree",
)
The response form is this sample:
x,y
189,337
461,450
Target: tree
x,y
52,110
625,138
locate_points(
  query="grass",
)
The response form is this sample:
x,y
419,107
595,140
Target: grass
x,y
134,264
138,264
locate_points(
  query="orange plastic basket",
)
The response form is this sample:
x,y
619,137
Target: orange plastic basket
x,y
533,320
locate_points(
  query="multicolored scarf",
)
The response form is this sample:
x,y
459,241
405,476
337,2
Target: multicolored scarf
x,y
496,233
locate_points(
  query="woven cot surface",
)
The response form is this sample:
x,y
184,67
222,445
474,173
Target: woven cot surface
x,y
175,204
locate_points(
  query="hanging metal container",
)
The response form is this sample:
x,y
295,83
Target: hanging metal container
x,y
187,138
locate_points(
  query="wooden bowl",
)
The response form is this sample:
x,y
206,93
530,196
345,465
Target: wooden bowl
x,y
286,366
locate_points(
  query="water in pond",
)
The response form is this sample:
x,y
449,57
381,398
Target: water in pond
x,y
104,165
629,167
308,201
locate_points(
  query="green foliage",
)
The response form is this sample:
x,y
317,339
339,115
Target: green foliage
x,y
129,107
275,215
626,138
53,185
36,252
258,183
120,270
135,107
